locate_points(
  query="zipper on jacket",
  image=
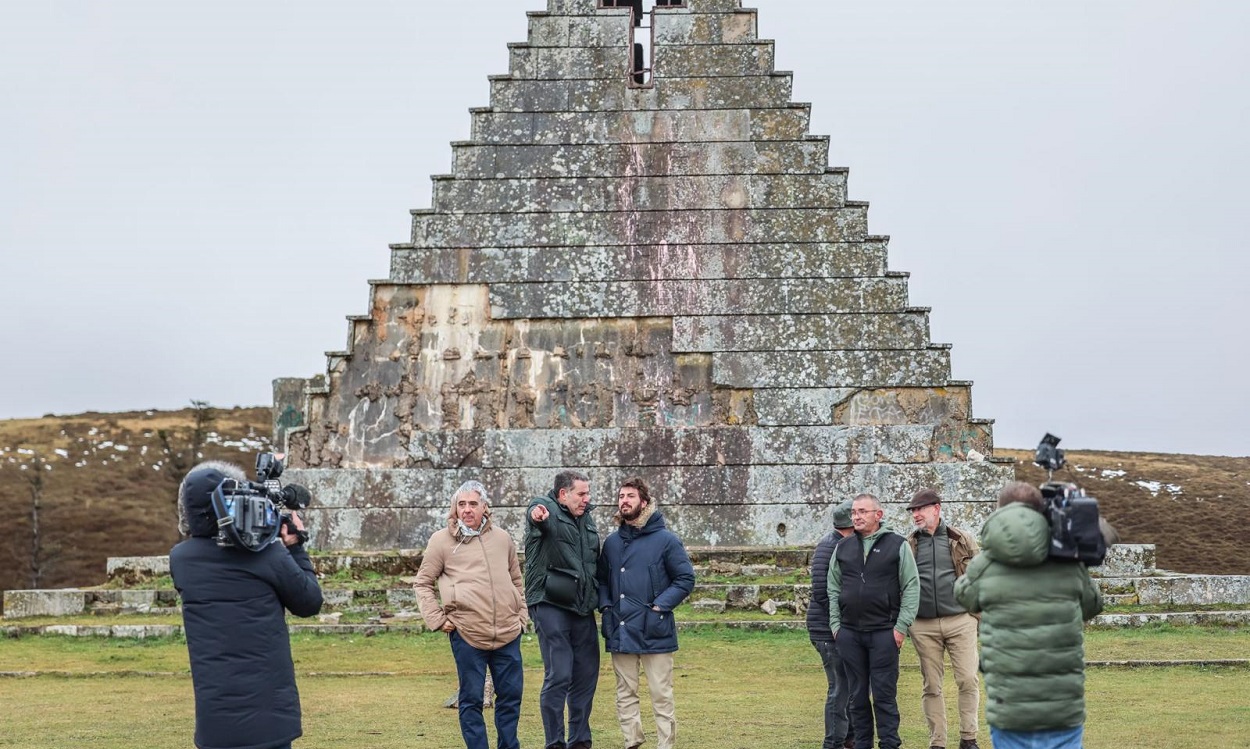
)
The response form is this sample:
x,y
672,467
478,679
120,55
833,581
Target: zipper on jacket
x,y
494,605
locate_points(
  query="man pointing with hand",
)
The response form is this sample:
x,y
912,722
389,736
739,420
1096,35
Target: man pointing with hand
x,y
561,556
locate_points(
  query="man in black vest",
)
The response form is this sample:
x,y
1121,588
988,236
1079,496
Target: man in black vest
x,y
874,580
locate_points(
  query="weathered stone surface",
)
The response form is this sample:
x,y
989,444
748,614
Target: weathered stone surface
x,y
23,603
788,123
710,333
1128,560
643,193
607,95
1192,589
834,369
712,505
662,278
134,570
672,61
730,60
707,28
713,297
741,596
847,224
586,30
638,263
694,446
632,160
709,605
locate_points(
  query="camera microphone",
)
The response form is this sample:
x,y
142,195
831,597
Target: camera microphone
x,y
296,497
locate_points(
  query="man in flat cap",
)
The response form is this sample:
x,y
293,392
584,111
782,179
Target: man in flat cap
x,y
942,625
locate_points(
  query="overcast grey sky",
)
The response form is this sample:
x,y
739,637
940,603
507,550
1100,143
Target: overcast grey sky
x,y
193,194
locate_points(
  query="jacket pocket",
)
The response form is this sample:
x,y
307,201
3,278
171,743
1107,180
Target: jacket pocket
x,y
561,586
658,625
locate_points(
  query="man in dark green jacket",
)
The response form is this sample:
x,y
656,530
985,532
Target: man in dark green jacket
x,y
561,556
1032,613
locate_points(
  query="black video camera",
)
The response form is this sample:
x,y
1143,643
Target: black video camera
x,y
1075,533
251,514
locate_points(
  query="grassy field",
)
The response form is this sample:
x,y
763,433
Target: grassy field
x,y
734,689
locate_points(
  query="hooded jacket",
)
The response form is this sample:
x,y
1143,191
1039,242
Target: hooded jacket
x,y
642,568
234,605
561,558
1032,645
479,585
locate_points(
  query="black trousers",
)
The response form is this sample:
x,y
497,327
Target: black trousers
x,y
871,663
570,647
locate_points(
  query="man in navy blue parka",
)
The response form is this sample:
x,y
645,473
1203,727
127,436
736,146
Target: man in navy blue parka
x,y
234,605
644,573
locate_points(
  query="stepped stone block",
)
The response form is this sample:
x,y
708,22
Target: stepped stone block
x,y
647,126
847,224
712,297
587,30
634,160
445,265
605,194
661,277
23,603
706,28
715,446
697,60
815,332
834,369
604,95
137,569
1128,560
1192,589
613,62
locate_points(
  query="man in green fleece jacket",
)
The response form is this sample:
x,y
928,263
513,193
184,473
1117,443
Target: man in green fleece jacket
x,y
1032,613
874,582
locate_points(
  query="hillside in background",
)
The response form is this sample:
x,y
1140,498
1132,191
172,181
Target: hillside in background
x,y
75,490
1192,507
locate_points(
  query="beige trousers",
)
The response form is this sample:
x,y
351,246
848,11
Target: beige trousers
x,y
956,635
659,670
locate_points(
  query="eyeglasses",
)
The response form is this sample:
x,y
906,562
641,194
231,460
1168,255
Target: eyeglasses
x,y
864,512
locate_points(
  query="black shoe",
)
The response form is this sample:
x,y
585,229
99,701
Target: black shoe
x,y
968,744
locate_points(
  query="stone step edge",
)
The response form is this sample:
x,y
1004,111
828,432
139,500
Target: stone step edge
x,y
145,631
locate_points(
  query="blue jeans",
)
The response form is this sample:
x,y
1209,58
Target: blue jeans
x,y
570,647
837,696
1063,738
505,669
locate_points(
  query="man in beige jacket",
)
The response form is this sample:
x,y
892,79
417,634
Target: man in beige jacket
x,y
480,604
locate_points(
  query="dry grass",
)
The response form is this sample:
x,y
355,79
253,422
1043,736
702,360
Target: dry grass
x,y
119,503
734,690
1200,530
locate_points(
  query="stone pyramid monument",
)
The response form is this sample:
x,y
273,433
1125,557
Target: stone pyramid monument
x,y
641,263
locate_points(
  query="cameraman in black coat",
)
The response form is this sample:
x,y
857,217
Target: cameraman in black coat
x,y
234,604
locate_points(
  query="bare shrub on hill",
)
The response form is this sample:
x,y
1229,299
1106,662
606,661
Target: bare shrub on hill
x,y
108,491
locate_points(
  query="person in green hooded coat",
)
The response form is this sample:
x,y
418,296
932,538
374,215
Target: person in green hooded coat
x,y
1033,610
